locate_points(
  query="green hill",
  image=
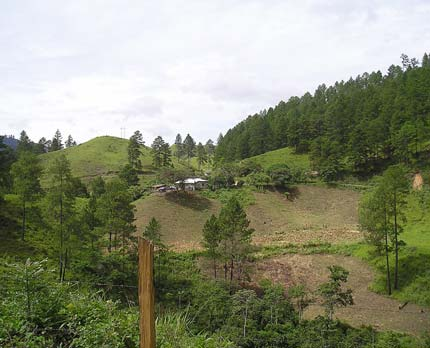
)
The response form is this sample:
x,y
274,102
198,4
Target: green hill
x,y
285,155
104,156
100,156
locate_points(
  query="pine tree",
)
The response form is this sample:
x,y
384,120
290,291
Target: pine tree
x,y
212,239
134,150
24,142
70,142
60,205
161,153
152,233
210,148
394,181
41,146
26,173
202,157
179,147
166,155
189,147
236,235
374,217
116,211
425,61
56,143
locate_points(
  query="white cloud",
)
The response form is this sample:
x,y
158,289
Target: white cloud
x,y
90,68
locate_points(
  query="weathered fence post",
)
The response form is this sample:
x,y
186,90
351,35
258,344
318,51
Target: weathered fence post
x,y
146,294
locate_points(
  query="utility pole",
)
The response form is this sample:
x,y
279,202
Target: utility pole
x,y
146,294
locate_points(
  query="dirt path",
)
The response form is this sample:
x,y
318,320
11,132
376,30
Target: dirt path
x,y
370,308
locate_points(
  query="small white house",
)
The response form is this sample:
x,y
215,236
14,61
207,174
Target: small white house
x,y
192,184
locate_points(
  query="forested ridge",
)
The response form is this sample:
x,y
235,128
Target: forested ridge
x,y
355,126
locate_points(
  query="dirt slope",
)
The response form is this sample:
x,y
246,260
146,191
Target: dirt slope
x,y
370,308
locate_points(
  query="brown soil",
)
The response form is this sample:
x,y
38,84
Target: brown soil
x,y
369,309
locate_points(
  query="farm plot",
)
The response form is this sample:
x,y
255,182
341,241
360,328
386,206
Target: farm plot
x,y
369,309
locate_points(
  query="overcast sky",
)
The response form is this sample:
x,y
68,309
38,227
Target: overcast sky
x,y
90,67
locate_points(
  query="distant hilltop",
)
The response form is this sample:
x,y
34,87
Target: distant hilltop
x,y
10,141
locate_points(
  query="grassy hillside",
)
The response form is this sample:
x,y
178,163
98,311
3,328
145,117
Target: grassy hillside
x,y
104,156
285,155
100,156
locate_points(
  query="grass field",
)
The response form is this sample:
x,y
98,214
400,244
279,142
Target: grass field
x,y
99,156
281,156
104,156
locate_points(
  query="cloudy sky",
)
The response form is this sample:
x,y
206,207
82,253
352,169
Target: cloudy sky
x,y
90,67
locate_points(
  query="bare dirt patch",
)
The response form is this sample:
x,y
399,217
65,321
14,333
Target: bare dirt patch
x,y
314,214
369,309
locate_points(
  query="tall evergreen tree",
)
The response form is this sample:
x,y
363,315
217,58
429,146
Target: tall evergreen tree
x,y
236,235
41,146
166,155
56,143
152,232
375,220
395,182
134,150
26,173
161,153
179,147
60,206
24,142
70,142
212,239
201,154
210,148
189,147
116,211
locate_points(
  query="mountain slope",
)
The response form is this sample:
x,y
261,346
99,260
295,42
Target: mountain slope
x,y
100,156
285,155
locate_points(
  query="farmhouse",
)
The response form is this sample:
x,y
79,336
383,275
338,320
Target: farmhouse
x,y
192,184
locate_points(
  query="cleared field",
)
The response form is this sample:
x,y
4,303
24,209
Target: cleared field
x,y
181,215
314,214
285,155
369,309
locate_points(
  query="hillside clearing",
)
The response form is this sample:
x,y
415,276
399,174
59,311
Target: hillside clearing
x,y
181,215
281,156
312,214
369,309
315,214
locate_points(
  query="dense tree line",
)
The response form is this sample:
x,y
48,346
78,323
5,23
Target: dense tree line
x,y
356,125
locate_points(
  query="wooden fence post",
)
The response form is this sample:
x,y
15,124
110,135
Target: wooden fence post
x,y
146,294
